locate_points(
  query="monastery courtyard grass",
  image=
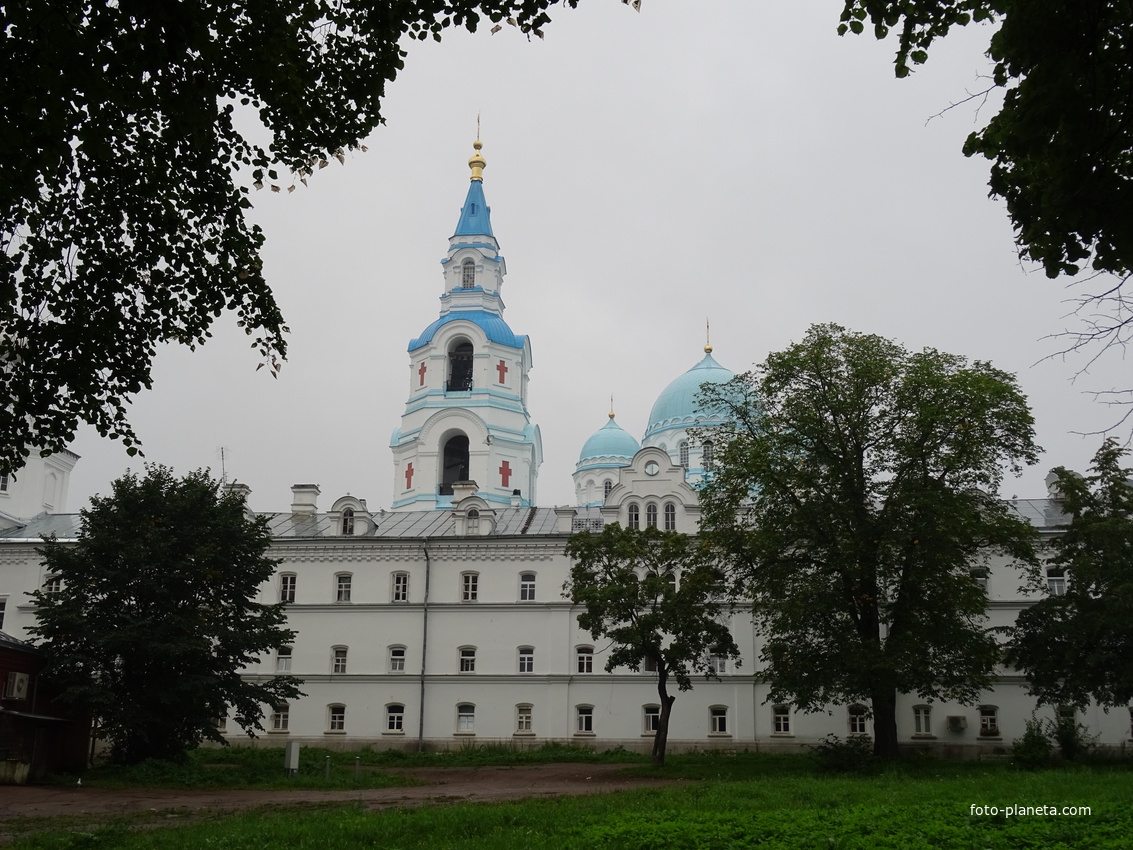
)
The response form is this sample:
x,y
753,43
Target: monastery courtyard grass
x,y
714,802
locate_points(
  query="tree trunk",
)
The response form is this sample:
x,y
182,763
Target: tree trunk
x,y
885,723
661,736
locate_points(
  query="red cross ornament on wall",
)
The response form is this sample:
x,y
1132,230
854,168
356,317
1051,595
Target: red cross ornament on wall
x,y
505,473
501,370
421,374
409,476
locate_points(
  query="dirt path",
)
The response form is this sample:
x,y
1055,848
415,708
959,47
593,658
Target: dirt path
x,y
441,785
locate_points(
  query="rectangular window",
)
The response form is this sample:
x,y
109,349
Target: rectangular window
x,y
469,582
397,659
279,718
718,662
401,587
585,720
1056,582
3,483
465,718
3,606
652,719
337,718
979,576
523,719
527,587
287,588
858,720
989,721
395,718
283,660
585,659
342,587
468,660
922,720
526,659
719,717
782,720
339,665
53,584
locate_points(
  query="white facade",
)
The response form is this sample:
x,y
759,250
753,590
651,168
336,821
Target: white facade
x,y
442,621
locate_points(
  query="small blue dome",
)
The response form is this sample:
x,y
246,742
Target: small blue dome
x,y
677,405
609,441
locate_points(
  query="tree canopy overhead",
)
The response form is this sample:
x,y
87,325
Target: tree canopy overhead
x,y
853,492
153,617
126,178
1078,645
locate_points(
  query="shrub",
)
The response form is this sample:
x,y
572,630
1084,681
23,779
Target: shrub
x,y
853,755
1071,737
1033,750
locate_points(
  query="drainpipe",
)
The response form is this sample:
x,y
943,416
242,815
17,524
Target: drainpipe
x,y
424,648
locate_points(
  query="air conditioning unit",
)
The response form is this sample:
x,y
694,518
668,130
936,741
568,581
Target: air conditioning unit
x,y
957,723
16,686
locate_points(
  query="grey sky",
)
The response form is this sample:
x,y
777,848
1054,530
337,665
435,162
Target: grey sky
x,y
645,171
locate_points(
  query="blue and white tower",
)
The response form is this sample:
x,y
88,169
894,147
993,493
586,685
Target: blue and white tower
x,y
466,418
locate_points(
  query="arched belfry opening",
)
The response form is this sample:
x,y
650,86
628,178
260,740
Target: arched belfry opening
x,y
455,465
460,366
468,274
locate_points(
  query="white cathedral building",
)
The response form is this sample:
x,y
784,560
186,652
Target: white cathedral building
x,y
441,620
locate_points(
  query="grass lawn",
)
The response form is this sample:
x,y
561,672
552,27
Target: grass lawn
x,y
716,801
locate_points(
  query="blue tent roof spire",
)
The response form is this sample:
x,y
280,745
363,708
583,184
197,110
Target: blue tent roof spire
x,y
475,216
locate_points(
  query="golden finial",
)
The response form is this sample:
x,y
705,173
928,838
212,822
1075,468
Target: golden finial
x,y
611,405
707,337
476,163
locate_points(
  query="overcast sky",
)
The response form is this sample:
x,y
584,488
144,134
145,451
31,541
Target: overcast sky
x,y
645,171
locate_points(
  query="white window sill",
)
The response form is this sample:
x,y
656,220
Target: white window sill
x,y
397,733
782,734
464,734
523,734
279,731
584,734
728,735
335,732
924,736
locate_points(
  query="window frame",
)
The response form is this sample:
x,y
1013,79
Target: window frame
x,y
336,718
650,514
1056,581
396,663
584,660
650,719
922,721
466,718
781,719
526,659
718,720
633,516
338,655
52,583
280,719
399,586
670,516
584,720
857,719
524,719
288,582
468,273
284,659
469,586
527,582
395,720
347,524
343,587
989,721
466,659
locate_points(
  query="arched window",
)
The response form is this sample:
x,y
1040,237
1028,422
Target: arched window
x,y
460,367
670,517
467,274
466,718
718,716
395,718
706,456
584,724
397,659
336,718
584,657
348,521
607,486
287,587
342,583
634,517
651,515
455,463
527,587
473,525
467,659
682,450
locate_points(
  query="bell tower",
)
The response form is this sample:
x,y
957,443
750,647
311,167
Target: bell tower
x,y
466,417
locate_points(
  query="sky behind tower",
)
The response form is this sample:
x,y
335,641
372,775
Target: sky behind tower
x,y
733,160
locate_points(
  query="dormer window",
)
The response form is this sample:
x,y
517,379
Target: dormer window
x,y
473,522
348,521
467,274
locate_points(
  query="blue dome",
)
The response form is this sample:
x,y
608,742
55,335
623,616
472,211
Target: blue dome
x,y
609,441
677,405
493,325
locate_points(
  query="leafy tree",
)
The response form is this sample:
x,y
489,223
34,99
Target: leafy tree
x,y
656,596
125,181
1079,646
155,618
1061,145
853,493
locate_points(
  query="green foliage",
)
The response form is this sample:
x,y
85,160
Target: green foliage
x,y
656,596
1034,749
1079,646
156,617
854,492
126,179
853,755
1060,144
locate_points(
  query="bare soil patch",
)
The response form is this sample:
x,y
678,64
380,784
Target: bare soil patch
x,y
439,785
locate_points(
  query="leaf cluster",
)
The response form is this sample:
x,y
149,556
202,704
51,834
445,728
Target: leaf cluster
x,y
157,619
1060,146
854,491
126,177
1078,646
656,595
